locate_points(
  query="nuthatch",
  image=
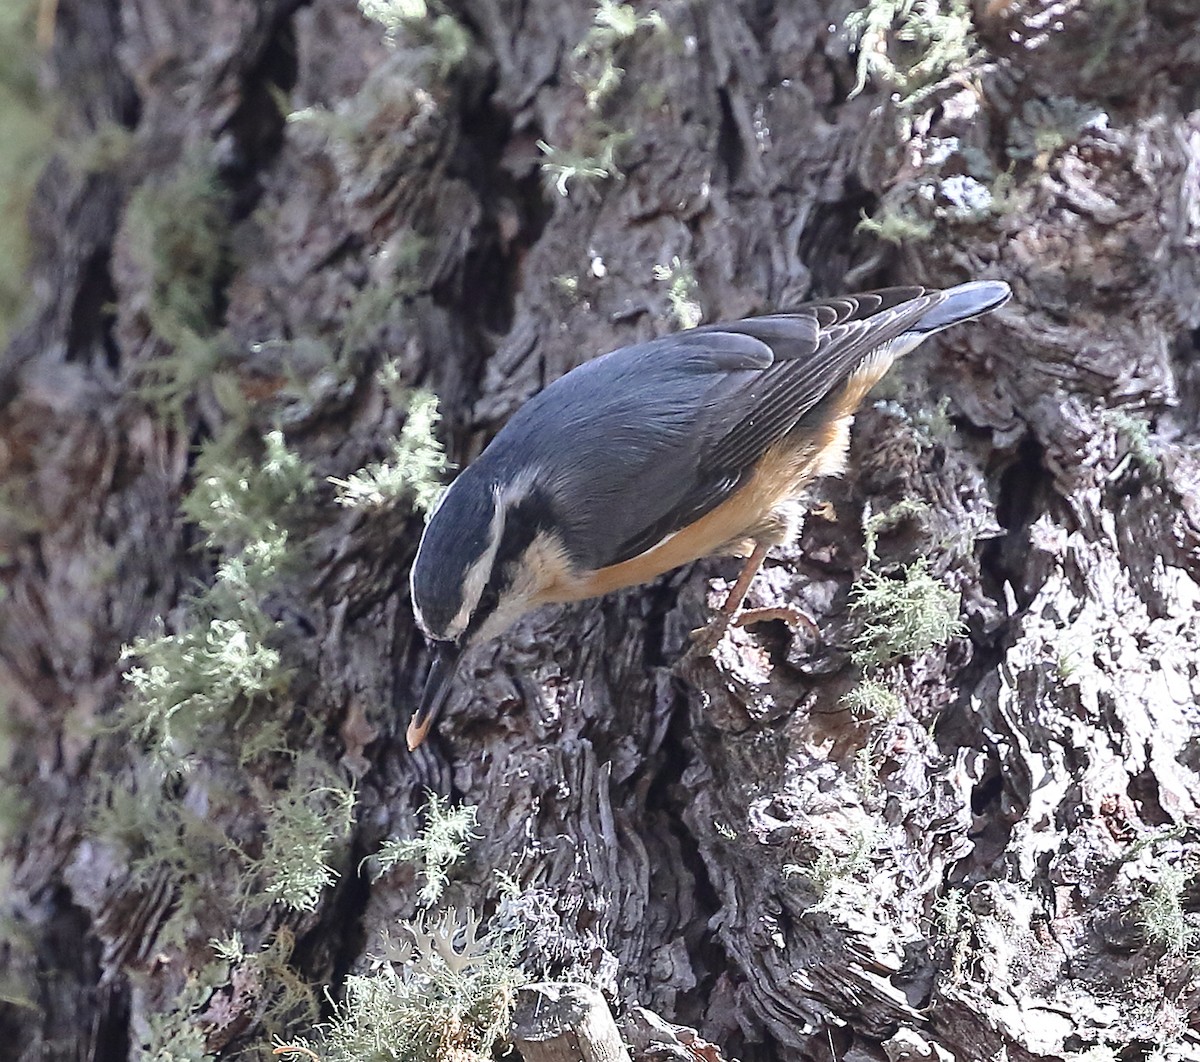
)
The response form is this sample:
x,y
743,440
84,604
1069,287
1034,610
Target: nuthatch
x,y
656,455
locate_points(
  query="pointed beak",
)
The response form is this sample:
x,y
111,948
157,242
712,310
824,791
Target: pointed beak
x,y
437,689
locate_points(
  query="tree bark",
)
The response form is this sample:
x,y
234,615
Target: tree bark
x,y
1004,863
563,1023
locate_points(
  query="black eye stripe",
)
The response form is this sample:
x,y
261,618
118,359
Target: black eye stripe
x,y
523,522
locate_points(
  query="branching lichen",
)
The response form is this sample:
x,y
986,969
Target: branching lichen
x,y
902,614
562,166
442,843
911,43
1134,432
898,225
423,27
313,813
682,292
413,469
595,55
239,501
872,698
194,682
439,991
1162,913
188,682
837,876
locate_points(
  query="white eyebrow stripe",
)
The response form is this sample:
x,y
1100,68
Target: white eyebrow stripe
x,y
475,578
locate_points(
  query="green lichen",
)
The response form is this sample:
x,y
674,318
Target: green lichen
x,y
424,28
682,292
902,614
838,878
440,990
304,823
595,56
872,698
441,843
239,500
413,469
897,225
582,165
1161,911
911,44
191,684
1134,432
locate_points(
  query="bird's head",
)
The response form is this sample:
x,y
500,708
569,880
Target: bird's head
x,y
484,560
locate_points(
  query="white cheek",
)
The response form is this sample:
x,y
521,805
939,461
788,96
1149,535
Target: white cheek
x,y
500,620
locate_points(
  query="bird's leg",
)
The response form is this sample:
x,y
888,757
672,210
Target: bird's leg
x,y
705,638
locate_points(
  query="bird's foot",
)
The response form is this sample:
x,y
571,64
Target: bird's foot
x,y
705,639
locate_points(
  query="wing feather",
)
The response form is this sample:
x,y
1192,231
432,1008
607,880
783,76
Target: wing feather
x,y
815,349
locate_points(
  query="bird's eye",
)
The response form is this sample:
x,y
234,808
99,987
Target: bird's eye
x,y
488,601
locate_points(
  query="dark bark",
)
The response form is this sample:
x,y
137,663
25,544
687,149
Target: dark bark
x,y
1043,769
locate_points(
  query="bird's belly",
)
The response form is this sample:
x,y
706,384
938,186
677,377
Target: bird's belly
x,y
765,510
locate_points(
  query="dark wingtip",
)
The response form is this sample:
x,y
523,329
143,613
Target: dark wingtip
x,y
964,302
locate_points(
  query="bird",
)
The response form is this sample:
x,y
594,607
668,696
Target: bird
x,y
650,457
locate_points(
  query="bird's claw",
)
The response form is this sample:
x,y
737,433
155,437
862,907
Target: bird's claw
x,y
793,617
705,639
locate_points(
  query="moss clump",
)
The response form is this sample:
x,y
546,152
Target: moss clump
x,y
902,614
441,991
26,131
911,44
178,234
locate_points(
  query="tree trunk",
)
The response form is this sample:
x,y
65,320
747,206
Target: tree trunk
x,y
263,214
